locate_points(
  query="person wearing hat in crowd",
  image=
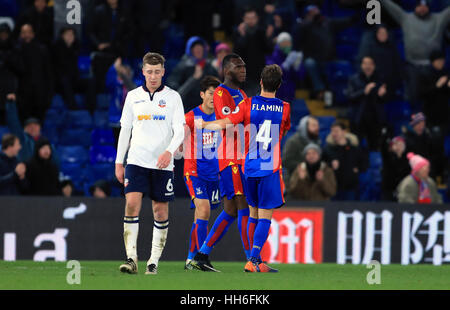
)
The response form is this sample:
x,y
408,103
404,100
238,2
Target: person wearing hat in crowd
x,y
395,166
435,92
193,66
28,134
418,187
100,189
423,32
42,173
313,179
420,140
290,61
221,51
292,154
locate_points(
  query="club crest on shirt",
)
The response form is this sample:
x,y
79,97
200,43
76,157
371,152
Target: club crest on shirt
x,y
162,103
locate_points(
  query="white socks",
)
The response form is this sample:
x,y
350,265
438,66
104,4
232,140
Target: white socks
x,y
159,241
130,233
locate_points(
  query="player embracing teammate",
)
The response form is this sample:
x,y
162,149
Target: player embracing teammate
x,y
266,120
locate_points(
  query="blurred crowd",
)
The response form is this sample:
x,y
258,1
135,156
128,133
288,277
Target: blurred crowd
x,y
39,60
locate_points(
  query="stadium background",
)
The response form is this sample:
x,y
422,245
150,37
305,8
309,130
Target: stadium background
x,y
85,145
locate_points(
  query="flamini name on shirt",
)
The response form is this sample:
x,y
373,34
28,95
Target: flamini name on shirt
x,y
267,107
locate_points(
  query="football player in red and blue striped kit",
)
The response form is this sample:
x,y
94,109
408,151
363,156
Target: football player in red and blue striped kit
x,y
201,166
266,120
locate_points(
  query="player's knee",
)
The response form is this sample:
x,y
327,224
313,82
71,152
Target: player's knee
x,y
160,211
203,212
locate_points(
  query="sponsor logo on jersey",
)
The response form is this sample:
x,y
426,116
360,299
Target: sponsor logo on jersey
x,y
162,103
139,101
154,117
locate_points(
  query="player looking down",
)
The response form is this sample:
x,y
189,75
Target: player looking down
x,y
266,120
153,116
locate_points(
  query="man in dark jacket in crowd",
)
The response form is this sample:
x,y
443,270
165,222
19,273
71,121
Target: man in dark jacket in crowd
x,y
42,173
421,141
435,93
252,41
36,79
187,74
40,16
315,36
109,31
383,50
347,161
66,50
12,172
367,91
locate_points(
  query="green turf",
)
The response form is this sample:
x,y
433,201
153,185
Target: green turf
x,y
172,276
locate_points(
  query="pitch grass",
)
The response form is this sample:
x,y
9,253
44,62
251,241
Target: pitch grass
x,y
105,275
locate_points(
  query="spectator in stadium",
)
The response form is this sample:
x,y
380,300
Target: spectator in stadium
x,y
418,187
9,67
423,32
100,189
28,135
366,91
289,60
119,81
435,93
42,173
67,188
420,140
283,20
315,36
109,31
193,66
395,167
312,179
344,156
307,132
40,16
12,172
221,50
252,41
36,79
383,50
66,51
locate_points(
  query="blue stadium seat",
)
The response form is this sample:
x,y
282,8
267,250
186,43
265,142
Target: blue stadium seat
x,y
346,51
76,136
351,35
80,101
78,119
375,160
299,105
447,146
73,154
325,122
105,171
103,101
3,130
54,118
102,154
58,103
102,137
75,172
84,65
51,132
101,119
398,111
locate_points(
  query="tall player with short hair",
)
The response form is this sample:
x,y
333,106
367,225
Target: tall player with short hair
x,y
201,166
152,129
232,183
266,120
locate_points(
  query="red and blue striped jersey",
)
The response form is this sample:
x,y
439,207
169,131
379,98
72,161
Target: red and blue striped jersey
x,y
265,121
200,155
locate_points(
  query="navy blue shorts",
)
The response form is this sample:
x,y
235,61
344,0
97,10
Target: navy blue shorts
x,y
265,192
157,184
202,189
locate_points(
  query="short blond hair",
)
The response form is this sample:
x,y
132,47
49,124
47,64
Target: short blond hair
x,y
153,59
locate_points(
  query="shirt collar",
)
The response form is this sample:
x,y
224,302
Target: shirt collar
x,y
160,88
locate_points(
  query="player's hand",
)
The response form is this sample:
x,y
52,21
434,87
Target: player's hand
x,y
198,123
20,170
164,160
441,82
120,173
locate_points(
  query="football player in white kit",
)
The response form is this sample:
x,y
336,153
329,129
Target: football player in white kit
x,y
153,116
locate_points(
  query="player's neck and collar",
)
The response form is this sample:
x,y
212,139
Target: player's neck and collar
x,y
231,85
266,94
160,88
205,109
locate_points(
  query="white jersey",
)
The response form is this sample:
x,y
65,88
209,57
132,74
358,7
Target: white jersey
x,y
155,121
